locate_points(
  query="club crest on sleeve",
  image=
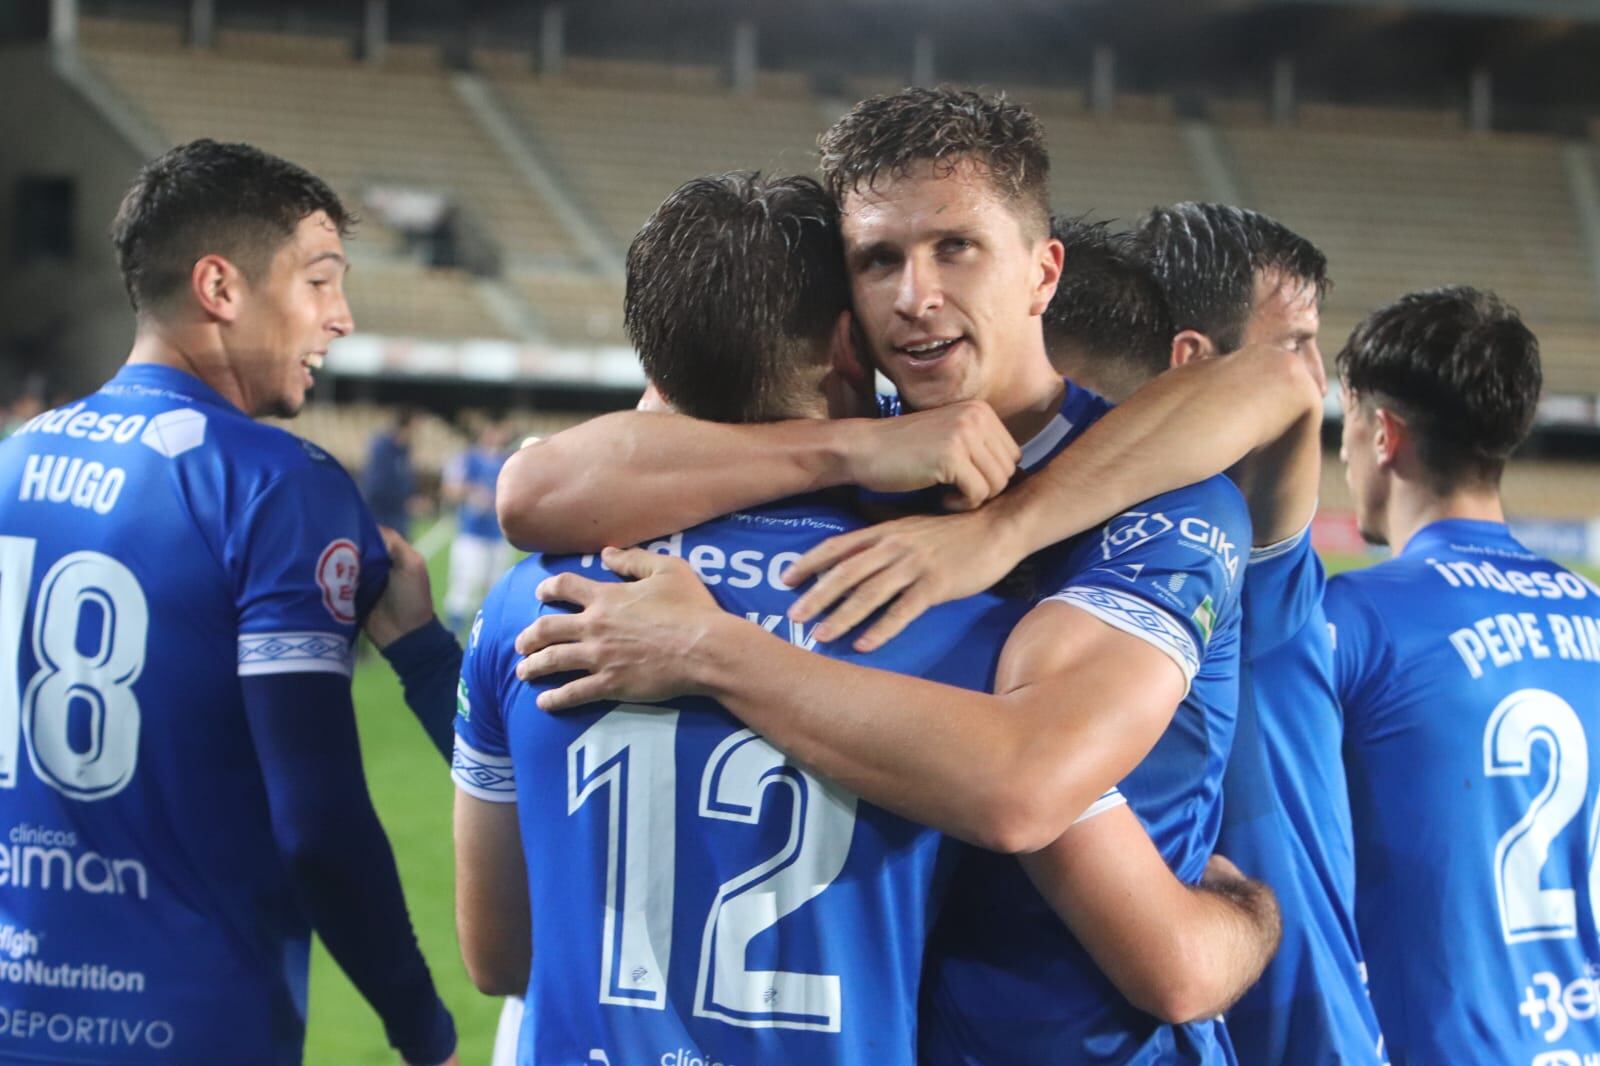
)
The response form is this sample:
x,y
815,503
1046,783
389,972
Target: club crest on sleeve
x,y
338,572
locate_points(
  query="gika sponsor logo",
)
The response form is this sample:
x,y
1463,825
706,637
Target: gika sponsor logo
x,y
1130,529
1214,539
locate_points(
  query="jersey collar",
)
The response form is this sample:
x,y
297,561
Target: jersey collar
x,y
177,383
1460,530
1079,408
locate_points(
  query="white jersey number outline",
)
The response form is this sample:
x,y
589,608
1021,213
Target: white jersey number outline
x,y
1529,911
99,680
630,752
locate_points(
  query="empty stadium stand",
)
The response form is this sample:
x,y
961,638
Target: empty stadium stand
x,y
1399,199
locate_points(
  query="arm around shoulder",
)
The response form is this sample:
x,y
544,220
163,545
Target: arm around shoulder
x,y
628,476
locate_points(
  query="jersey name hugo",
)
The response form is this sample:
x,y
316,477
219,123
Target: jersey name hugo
x,y
158,545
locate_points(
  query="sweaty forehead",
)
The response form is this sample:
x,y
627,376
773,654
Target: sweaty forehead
x,y
1292,302
929,198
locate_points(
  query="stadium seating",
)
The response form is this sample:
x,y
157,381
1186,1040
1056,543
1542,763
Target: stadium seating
x,y
1396,213
578,309
623,150
1400,199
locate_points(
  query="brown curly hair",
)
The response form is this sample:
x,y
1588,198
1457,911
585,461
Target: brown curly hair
x,y
888,135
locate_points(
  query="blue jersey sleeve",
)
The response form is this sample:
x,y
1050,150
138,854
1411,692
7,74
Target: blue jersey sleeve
x,y
428,663
1283,585
481,764
1363,655
1164,572
308,563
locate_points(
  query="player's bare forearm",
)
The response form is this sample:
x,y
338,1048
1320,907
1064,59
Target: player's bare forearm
x,y
629,476
1078,703
1176,951
1189,424
1239,928
492,919
1281,481
1186,425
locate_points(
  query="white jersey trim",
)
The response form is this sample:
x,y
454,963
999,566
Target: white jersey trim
x,y
483,776
1112,798
1282,547
304,652
1038,448
1140,618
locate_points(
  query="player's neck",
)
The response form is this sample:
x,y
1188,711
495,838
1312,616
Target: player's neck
x,y
1413,507
172,346
1031,397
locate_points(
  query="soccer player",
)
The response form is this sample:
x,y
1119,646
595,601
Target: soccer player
x,y
1108,326
1233,277
1130,643
179,591
1469,672
479,554
796,933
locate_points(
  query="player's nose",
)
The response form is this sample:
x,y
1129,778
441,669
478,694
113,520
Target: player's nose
x,y
343,323
918,292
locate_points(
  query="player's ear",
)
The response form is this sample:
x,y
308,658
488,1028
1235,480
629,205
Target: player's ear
x,y
1389,434
1189,345
1052,258
218,287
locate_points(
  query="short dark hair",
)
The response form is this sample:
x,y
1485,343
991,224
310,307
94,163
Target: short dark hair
x,y
1207,257
1461,368
735,284
1108,306
887,135
205,198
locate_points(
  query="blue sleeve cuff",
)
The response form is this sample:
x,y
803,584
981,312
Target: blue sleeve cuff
x,y
428,662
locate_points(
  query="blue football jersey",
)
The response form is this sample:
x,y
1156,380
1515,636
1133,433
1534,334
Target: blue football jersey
x,y
1469,671
158,545
1286,820
478,468
696,897
1006,981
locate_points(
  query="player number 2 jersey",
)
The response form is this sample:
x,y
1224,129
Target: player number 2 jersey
x,y
1469,671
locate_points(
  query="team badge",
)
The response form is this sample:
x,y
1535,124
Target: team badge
x,y
338,572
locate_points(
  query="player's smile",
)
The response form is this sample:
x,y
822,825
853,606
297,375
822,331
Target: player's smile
x,y
944,282
928,354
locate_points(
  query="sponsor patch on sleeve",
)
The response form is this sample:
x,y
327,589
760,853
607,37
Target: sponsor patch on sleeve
x,y
338,573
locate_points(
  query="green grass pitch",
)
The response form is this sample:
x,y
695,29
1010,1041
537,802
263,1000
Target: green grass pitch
x,y
411,787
